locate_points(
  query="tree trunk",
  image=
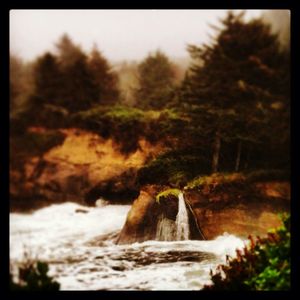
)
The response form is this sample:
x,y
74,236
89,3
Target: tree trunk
x,y
247,158
216,153
238,156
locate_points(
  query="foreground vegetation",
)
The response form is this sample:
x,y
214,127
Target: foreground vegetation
x,y
264,265
32,276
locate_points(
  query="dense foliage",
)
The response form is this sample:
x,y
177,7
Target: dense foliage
x,y
263,265
127,125
235,93
69,81
175,167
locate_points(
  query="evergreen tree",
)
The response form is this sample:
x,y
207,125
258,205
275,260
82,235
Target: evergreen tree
x,y
236,79
105,80
70,81
156,81
78,89
67,52
47,80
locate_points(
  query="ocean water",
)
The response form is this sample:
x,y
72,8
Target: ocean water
x,y
78,243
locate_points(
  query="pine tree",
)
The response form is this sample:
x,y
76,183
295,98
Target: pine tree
x,y
236,79
156,81
67,52
78,89
47,80
104,78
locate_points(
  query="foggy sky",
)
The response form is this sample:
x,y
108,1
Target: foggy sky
x,y
119,34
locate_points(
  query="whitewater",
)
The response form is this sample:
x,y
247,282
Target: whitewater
x,y
78,243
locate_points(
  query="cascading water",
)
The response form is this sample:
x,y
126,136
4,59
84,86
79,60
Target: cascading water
x,y
168,230
182,220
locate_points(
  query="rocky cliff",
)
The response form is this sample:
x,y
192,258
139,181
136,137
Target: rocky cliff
x,y
241,210
83,168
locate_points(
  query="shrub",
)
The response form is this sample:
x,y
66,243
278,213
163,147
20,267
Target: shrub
x,y
123,114
263,265
33,277
174,168
127,124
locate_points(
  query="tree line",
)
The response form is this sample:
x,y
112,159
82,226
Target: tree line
x,y
235,95
74,80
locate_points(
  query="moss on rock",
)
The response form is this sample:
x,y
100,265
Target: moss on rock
x,y
167,193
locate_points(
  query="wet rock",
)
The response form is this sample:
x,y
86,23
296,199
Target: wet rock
x,y
79,210
239,210
143,217
118,268
141,220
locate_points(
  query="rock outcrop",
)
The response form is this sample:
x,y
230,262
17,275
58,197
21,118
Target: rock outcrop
x,y
141,220
243,210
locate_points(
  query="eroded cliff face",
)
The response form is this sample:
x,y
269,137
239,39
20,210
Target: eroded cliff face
x,y
82,169
240,212
252,209
85,167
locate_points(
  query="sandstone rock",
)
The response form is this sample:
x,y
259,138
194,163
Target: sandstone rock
x,y
83,168
140,223
142,219
238,210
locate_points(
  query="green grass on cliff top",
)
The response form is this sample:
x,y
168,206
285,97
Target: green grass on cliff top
x,y
252,176
125,113
216,178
